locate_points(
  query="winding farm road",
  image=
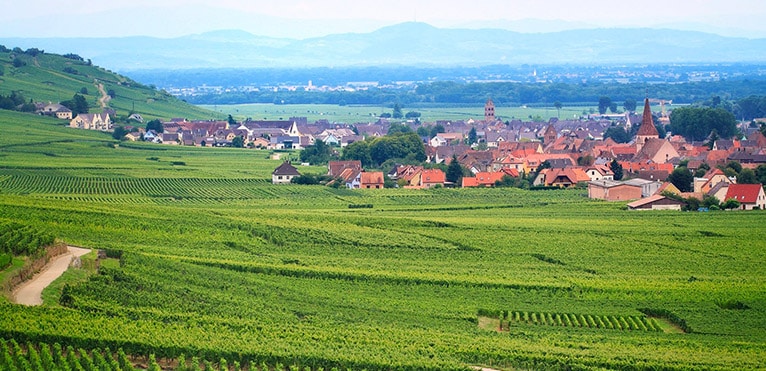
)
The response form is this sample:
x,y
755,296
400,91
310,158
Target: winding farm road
x,y
30,292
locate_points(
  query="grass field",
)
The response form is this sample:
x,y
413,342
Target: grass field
x,y
354,114
218,263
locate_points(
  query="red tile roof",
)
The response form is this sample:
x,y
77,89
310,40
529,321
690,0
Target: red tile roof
x,y
744,193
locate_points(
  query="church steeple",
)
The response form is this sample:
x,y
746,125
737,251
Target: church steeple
x,y
647,130
489,111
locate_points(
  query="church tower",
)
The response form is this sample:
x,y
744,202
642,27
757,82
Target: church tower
x,y
489,111
647,130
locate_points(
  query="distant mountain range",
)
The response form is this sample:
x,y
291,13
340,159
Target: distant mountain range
x,y
407,44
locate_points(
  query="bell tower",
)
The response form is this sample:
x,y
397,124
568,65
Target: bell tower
x,y
489,111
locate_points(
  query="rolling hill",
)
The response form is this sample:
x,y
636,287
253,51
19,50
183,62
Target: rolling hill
x,y
410,44
45,77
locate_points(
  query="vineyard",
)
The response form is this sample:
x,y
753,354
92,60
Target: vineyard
x,y
216,266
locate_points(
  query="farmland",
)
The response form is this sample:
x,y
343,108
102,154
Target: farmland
x,y
362,113
217,263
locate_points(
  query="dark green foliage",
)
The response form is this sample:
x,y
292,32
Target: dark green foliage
x,y
398,129
404,146
618,134
604,103
397,112
77,104
358,151
682,178
472,136
629,105
454,171
747,176
696,123
155,125
119,132
318,154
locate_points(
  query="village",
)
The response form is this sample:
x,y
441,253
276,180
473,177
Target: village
x,y
560,153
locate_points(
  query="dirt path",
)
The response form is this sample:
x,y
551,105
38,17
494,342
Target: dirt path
x,y
105,98
30,292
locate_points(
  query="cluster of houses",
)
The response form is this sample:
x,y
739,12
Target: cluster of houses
x,y
574,151
576,154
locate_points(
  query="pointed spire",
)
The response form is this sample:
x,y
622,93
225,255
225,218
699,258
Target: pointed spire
x,y
647,123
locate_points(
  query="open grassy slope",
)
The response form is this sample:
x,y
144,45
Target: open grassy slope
x,y
217,262
43,79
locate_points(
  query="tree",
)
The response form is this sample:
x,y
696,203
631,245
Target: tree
x,y
618,134
119,132
436,129
613,107
454,171
402,146
232,122
238,141
319,153
760,174
616,169
412,115
397,112
747,176
472,136
111,93
682,178
558,106
629,105
730,204
398,128
155,125
77,104
84,90
603,104
358,151
696,123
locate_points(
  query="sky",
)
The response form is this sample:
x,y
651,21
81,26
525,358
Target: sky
x,y
304,19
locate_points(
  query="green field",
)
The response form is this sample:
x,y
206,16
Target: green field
x,y
354,114
218,263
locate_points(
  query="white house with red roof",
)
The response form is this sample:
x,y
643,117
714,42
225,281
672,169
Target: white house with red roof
x,y
750,196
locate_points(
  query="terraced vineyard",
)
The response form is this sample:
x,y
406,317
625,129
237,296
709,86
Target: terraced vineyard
x,y
217,263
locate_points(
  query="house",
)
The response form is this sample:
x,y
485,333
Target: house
x,y
658,151
656,202
611,190
444,139
487,179
284,173
563,178
335,168
710,180
599,172
57,110
259,143
133,136
750,196
92,121
648,187
371,180
430,178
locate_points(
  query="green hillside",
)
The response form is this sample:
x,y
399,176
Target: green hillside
x,y
45,77
209,260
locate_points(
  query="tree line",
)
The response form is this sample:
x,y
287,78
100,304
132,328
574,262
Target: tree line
x,y
502,93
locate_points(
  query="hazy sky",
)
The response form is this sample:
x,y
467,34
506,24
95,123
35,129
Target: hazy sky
x,y
303,18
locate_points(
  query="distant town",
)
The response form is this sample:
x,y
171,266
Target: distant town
x,y
491,152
